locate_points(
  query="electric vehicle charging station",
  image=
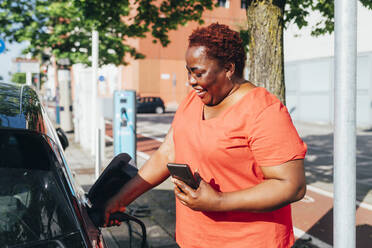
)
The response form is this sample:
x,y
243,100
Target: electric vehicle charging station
x,y
125,123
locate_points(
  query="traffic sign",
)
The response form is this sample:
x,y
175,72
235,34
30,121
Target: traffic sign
x,y
2,46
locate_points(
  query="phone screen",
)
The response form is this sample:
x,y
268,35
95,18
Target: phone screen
x,y
183,173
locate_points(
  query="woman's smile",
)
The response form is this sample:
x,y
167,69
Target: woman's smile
x,y
200,91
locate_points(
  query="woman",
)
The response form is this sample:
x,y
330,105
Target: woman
x,y
241,141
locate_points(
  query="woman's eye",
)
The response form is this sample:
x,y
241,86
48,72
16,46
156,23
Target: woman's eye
x,y
198,75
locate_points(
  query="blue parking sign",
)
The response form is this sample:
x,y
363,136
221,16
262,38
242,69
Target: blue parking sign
x,y
2,46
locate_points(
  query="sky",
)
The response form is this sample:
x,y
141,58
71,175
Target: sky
x,y
13,50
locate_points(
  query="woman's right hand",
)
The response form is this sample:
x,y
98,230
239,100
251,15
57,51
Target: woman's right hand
x,y
113,205
152,173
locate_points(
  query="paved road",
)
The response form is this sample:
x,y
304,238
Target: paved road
x,y
312,216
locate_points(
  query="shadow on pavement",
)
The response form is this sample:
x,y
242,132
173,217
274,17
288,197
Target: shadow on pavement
x,y
319,162
319,168
325,224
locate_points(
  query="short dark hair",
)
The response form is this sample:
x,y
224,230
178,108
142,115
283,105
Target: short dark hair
x,y
222,43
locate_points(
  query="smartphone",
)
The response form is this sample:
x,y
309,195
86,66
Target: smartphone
x,y
183,173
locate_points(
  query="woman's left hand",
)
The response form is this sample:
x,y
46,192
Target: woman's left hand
x,y
204,198
283,185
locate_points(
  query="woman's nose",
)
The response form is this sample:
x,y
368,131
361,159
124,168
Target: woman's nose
x,y
192,80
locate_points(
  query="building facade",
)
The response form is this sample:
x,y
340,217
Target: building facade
x,y
309,72
162,73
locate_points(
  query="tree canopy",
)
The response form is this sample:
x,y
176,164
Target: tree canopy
x,y
19,78
297,11
63,28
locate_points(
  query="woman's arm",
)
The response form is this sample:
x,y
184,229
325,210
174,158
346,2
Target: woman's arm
x,y
283,184
152,173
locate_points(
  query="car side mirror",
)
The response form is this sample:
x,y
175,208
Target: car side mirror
x,y
62,138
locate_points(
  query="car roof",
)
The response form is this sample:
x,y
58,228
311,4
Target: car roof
x,y
20,108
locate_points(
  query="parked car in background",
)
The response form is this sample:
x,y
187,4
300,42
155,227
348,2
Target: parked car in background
x,y
40,203
150,104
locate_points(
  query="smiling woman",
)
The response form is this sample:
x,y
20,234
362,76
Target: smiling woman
x,y
240,140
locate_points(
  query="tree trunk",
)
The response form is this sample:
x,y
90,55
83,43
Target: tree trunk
x,y
266,61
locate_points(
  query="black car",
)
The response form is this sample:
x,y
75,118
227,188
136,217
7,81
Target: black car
x,y
40,204
150,104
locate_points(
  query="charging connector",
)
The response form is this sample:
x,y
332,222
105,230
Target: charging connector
x,y
120,170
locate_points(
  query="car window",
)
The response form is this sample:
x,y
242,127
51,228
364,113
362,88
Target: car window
x,y
33,207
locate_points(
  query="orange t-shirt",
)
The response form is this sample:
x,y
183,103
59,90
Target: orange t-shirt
x,y
228,151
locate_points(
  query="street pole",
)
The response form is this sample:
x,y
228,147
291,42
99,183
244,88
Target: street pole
x,y
94,125
28,78
38,82
174,89
345,124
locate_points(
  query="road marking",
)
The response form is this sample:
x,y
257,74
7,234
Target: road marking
x,y
313,240
109,138
330,195
143,155
307,199
149,134
152,137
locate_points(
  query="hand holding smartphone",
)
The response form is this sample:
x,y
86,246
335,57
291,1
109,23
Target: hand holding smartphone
x,y
183,173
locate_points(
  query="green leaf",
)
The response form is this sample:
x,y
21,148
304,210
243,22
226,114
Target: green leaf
x,y
63,28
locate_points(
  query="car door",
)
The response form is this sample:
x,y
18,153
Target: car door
x,y
34,207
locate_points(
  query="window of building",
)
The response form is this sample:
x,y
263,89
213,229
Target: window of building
x,y
244,4
224,3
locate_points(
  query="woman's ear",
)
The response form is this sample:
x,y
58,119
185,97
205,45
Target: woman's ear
x,y
230,70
